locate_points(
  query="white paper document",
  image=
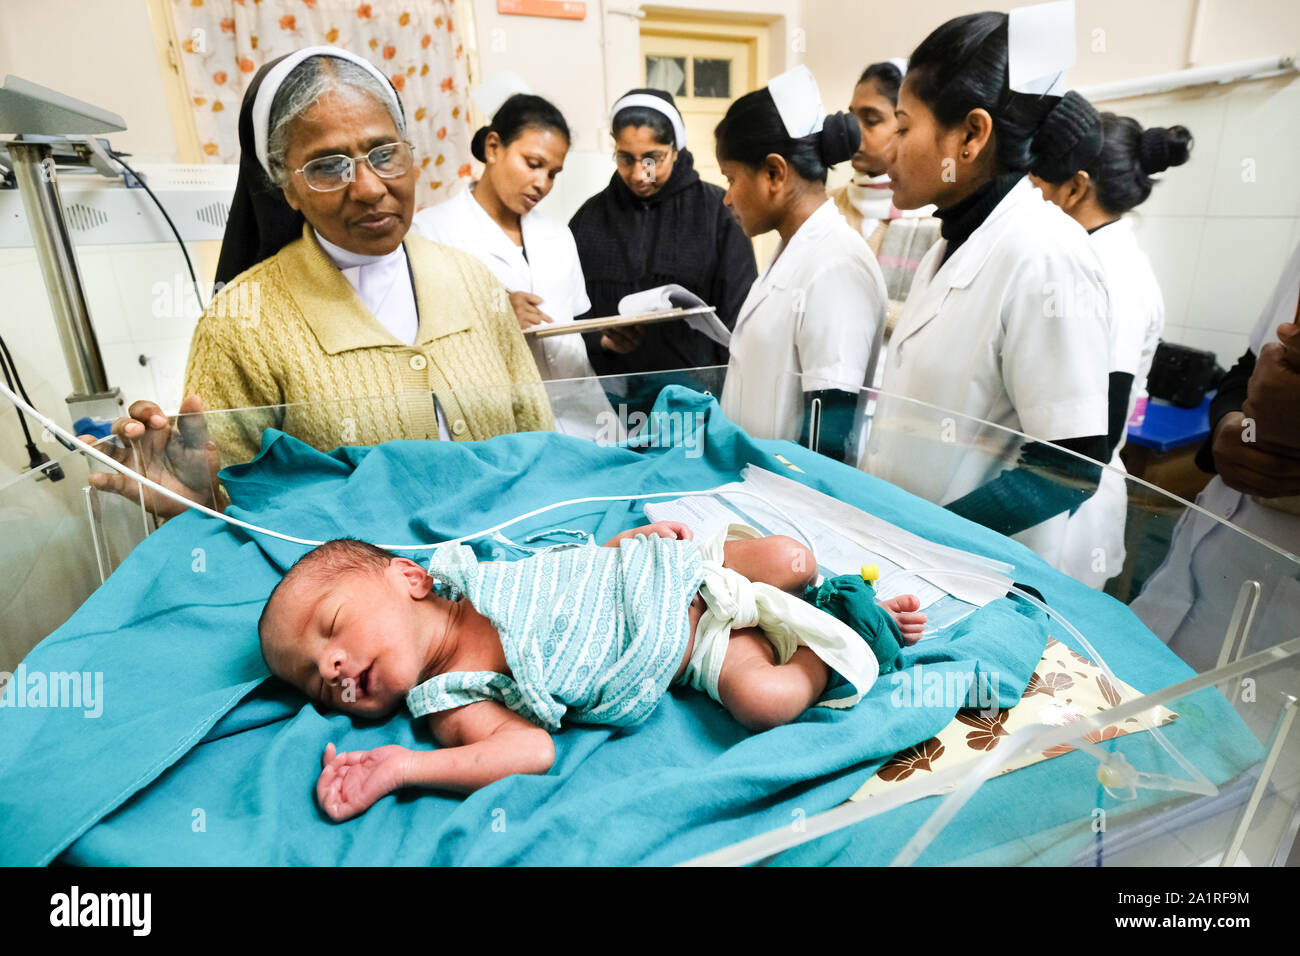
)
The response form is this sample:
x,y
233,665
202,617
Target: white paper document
x,y
674,296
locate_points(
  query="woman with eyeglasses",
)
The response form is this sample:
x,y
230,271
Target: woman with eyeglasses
x,y
358,331
657,223
534,257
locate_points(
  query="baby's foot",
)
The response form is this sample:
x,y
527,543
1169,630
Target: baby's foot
x,y
907,614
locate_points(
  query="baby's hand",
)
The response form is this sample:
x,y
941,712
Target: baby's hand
x,y
668,529
350,782
905,610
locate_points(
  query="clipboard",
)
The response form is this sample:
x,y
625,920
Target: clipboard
x,y
614,322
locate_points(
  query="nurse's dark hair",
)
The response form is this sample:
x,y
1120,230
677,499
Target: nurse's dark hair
x,y
660,126
963,66
1130,156
887,77
325,563
752,128
520,112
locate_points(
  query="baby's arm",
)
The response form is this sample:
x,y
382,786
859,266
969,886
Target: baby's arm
x,y
664,529
480,743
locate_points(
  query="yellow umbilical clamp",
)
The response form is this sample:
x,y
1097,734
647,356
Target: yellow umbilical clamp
x,y
870,572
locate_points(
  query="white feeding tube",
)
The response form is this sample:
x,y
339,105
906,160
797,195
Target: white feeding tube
x,y
112,463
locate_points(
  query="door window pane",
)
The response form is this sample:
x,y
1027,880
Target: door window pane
x,y
712,78
666,73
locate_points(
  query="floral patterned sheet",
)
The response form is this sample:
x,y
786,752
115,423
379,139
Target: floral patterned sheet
x,y
1065,687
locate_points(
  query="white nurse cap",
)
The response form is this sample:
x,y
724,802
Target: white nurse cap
x,y
798,101
1040,47
495,90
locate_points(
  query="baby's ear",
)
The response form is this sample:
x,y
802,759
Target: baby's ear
x,y
417,579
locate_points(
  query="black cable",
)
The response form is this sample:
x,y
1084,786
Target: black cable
x,y
4,367
176,232
22,389
8,357
36,459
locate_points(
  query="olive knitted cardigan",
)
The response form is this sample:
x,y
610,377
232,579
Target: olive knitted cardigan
x,y
291,332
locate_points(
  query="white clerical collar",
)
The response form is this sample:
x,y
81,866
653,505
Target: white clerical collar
x,y
383,285
344,259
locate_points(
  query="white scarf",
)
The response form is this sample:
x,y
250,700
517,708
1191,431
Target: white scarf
x,y
873,197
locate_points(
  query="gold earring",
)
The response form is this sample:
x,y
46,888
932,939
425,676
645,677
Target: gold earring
x,y
965,154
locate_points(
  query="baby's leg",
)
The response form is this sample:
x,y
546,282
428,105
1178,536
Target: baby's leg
x,y
777,560
759,692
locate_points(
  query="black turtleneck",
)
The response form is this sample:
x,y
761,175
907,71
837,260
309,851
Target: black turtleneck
x,y
962,218
682,234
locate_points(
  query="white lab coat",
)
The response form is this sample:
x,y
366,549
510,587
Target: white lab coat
x,y
1093,551
1014,330
813,320
1189,601
547,265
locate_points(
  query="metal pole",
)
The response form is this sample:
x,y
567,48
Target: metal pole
x,y
34,171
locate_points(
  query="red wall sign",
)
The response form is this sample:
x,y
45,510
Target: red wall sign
x,y
560,9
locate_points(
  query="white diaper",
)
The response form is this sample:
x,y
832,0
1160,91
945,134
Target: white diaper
x,y
788,622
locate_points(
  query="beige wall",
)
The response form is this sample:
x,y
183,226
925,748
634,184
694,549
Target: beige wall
x,y
100,51
1117,39
562,59
583,66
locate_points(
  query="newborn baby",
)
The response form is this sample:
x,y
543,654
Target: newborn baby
x,y
496,653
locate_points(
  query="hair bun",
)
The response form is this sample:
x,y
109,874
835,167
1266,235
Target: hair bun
x,y
1068,139
478,145
1161,148
839,138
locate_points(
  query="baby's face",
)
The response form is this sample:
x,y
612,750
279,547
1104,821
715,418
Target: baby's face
x,y
356,642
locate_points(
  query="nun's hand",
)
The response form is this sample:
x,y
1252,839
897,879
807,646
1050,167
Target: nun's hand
x,y
526,309
623,340
180,457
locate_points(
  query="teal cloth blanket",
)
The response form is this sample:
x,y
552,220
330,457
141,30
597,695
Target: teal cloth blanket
x,y
198,758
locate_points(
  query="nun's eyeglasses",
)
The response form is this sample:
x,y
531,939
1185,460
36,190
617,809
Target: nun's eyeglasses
x,y
330,173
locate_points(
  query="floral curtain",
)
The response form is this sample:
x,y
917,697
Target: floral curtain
x,y
415,42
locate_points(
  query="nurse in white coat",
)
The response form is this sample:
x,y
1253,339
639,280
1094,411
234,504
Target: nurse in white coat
x,y
1097,198
533,257
1007,319
812,323
1255,450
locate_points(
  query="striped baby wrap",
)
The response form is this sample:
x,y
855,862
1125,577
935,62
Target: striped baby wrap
x,y
592,634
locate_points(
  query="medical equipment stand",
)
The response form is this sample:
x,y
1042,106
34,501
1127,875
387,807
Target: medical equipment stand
x,y
49,119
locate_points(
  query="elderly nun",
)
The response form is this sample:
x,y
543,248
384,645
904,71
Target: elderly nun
x,y
328,306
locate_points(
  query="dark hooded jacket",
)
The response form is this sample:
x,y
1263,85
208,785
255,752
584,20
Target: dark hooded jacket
x,y
682,234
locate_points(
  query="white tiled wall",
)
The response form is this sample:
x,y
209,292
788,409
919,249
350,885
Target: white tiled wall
x,y
130,316
1219,229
